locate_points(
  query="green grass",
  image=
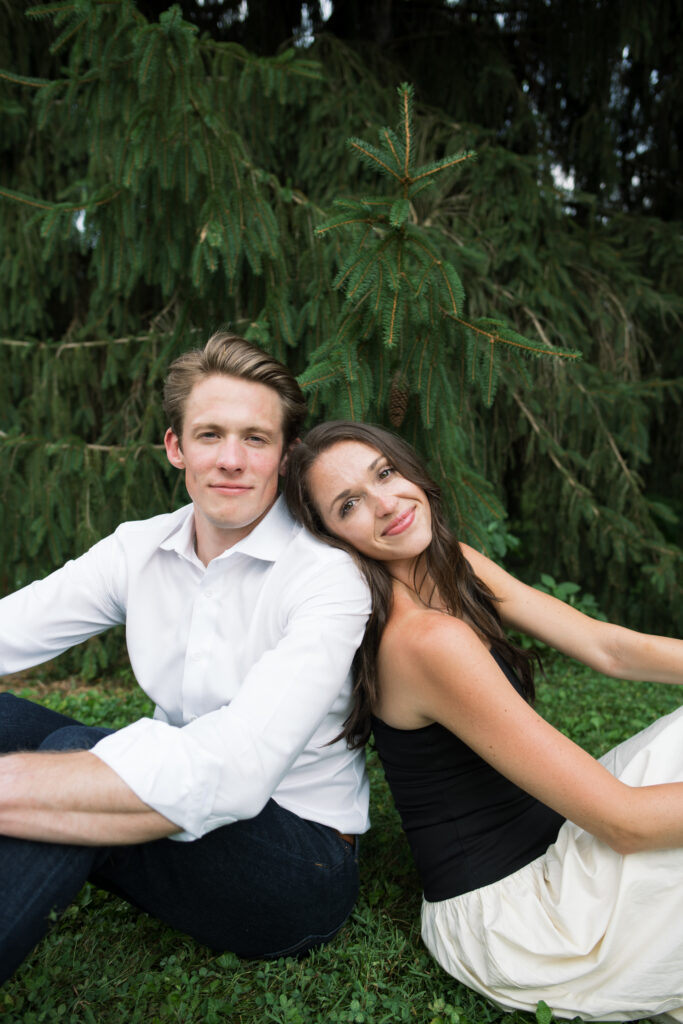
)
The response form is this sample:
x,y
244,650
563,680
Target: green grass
x,y
106,963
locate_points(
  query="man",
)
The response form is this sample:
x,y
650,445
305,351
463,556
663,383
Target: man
x,y
231,814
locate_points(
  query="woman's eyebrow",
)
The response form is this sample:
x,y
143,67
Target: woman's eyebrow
x,y
345,493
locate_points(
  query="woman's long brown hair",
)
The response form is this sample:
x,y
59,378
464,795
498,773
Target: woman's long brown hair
x,y
463,593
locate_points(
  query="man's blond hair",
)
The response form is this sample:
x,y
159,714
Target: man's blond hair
x,y
232,356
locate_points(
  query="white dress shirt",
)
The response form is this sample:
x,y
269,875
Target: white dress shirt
x,y
247,661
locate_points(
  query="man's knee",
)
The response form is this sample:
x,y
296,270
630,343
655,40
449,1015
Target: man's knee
x,y
9,702
25,724
74,737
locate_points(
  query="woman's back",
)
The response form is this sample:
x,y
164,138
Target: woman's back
x,y
467,825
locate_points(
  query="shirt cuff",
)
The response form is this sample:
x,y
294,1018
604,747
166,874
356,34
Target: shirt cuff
x,y
167,769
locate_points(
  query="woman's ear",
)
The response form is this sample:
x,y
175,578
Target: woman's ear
x,y
174,452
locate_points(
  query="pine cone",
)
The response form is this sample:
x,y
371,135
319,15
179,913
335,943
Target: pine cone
x,y
399,396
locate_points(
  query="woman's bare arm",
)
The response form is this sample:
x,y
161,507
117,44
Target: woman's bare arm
x,y
610,649
441,666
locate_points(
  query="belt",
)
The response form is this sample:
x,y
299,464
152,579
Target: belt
x,y
351,840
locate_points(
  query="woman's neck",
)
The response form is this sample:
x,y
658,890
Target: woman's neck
x,y
418,585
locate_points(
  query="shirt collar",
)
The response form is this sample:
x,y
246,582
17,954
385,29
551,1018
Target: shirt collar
x,y
266,541
181,537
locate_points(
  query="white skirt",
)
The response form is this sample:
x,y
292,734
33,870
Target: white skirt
x,y
591,932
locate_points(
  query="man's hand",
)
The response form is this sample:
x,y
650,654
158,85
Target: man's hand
x,y
73,797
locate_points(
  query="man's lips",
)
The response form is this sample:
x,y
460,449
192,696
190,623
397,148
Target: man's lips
x,y
400,523
228,488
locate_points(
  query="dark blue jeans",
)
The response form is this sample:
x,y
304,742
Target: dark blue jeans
x,y
275,885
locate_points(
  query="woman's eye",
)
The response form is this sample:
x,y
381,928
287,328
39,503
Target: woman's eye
x,y
385,472
346,507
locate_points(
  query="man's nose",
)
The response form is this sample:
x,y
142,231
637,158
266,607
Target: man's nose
x,y
230,455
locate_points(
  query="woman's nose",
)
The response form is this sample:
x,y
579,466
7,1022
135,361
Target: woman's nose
x,y
385,504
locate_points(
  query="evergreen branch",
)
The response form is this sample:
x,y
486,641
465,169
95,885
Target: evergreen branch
x,y
369,201
428,385
282,63
34,83
147,62
523,344
45,10
420,244
495,513
444,164
73,344
378,290
351,269
53,447
491,376
392,320
350,377
537,324
45,204
187,157
428,393
323,229
389,141
19,197
423,279
610,438
365,150
449,286
661,549
349,391
66,36
406,94
369,269
313,382
566,473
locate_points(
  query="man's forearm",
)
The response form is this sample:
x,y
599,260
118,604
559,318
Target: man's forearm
x,y
73,797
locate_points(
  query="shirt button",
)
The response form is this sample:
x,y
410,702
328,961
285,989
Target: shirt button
x,y
197,656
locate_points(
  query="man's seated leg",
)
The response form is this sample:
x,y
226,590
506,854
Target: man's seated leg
x,y
39,878
274,885
24,725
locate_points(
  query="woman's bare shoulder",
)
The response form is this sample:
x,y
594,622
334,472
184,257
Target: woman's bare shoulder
x,y
417,637
414,631
416,645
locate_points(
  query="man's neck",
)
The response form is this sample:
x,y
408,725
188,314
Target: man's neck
x,y
211,540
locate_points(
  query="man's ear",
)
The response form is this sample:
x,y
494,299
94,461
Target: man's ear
x,y
174,452
285,455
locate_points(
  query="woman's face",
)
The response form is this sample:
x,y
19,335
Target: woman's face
x,y
363,500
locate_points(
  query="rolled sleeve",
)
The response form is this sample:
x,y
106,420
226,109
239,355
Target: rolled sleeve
x,y
167,768
225,765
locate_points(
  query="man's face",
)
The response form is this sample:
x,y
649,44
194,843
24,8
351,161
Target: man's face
x,y
232,453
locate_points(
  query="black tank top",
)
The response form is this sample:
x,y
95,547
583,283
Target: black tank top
x,y
467,824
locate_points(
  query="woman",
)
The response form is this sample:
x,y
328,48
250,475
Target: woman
x,y
546,874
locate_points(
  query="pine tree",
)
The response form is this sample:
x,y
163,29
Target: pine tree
x,y
157,184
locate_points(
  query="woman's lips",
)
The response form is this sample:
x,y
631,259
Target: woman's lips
x,y
400,523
